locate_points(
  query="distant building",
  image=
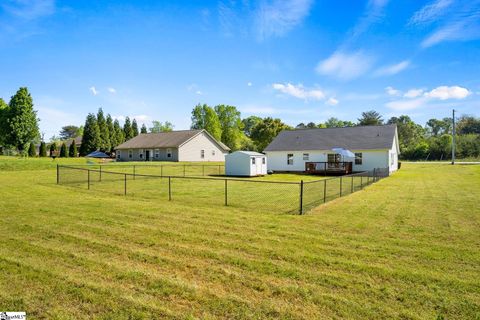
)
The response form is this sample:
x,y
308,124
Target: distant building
x,y
306,149
245,163
184,145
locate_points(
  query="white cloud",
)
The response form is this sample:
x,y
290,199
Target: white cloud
x,y
267,110
403,105
372,14
345,66
298,91
444,93
392,91
194,88
277,17
392,69
430,12
249,84
332,101
93,90
29,9
413,93
112,90
199,92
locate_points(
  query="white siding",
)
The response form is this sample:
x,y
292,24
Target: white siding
x,y
191,150
240,164
136,155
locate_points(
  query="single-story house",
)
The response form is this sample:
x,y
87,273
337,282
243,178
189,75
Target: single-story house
x,y
245,163
183,145
300,150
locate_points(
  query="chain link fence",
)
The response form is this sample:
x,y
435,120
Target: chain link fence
x,y
193,186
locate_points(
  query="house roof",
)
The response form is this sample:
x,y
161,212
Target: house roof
x,y
352,138
172,139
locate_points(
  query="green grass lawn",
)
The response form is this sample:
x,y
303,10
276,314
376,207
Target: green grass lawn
x,y
406,247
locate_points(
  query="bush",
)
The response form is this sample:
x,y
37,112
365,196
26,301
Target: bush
x,y
43,150
32,150
72,150
63,151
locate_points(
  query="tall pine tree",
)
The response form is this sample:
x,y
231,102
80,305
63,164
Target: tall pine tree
x,y
127,129
53,149
105,144
72,149
43,149
21,120
118,133
32,150
63,151
143,129
135,127
111,133
91,136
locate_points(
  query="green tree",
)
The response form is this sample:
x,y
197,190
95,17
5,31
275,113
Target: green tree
x,y
409,133
3,122
43,149
111,132
104,141
266,131
53,149
119,135
467,124
370,118
69,132
231,125
21,120
63,151
249,123
32,150
72,149
205,117
158,126
127,129
91,136
135,127
143,129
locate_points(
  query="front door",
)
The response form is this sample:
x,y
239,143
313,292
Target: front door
x,y
147,155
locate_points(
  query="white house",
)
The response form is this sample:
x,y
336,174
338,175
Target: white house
x,y
245,163
183,145
374,147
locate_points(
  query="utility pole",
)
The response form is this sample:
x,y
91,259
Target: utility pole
x,y
453,136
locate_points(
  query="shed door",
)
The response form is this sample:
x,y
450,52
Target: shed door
x,y
258,165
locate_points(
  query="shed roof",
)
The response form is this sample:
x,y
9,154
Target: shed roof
x,y
352,138
172,139
250,153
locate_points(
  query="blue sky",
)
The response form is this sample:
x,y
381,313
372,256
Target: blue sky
x,y
299,60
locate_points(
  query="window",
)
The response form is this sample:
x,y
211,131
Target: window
x,y
202,154
118,154
157,153
213,152
253,160
290,159
358,158
333,157
130,154
140,153
263,160
169,153
306,156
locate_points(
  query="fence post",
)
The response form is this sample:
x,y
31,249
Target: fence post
x,y
352,185
125,190
361,182
58,175
100,179
226,192
133,172
161,171
325,169
88,179
219,170
184,170
169,188
374,180
324,190
301,197
203,170
341,186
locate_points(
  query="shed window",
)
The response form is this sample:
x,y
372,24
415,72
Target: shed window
x,y
130,154
290,159
202,154
169,153
306,156
358,158
253,160
263,160
157,153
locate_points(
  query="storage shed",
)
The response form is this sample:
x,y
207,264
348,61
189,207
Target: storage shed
x,y
245,163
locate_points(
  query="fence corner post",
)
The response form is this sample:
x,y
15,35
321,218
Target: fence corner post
x,y
324,190
125,191
88,179
58,174
226,192
169,188
301,197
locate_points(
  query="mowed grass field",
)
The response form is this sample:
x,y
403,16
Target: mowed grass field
x,y
406,247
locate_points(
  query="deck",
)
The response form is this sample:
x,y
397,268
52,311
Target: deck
x,y
328,168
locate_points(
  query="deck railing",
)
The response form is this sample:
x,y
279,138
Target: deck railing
x,y
340,167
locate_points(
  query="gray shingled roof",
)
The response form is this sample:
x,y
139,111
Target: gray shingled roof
x,y
172,139
352,138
